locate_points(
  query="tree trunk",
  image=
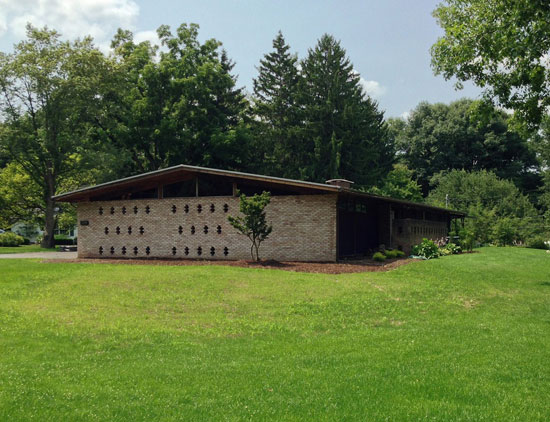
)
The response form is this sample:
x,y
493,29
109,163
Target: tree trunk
x,y
48,241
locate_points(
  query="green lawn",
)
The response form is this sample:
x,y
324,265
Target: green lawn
x,y
24,248
460,338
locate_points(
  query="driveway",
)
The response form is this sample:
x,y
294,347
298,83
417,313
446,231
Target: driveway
x,y
40,255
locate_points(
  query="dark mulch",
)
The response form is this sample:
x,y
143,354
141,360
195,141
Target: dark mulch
x,y
351,266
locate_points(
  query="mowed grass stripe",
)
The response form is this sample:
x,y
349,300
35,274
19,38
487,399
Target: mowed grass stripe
x,y
459,338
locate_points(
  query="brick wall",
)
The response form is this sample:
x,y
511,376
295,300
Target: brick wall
x,y
408,232
304,228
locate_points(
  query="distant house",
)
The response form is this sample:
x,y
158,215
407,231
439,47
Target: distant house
x,y
181,212
33,232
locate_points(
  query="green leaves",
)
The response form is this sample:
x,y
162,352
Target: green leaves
x,y
253,222
501,46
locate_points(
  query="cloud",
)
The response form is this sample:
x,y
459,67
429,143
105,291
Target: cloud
x,y
405,115
372,88
147,36
72,18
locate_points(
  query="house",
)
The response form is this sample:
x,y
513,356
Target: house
x,y
181,212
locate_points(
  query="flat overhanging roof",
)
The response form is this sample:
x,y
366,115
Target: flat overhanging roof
x,y
176,173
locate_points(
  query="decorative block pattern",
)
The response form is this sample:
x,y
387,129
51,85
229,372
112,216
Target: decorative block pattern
x,y
304,229
408,232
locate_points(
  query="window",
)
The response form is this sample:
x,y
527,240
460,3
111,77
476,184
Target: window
x,y
135,250
106,230
112,210
212,208
112,250
199,208
205,229
101,250
129,229
147,209
135,210
147,250
199,251
100,210
212,251
141,230
174,251
174,209
124,250
124,210
180,230
225,251
219,229
225,207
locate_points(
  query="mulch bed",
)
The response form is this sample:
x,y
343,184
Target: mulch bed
x,y
352,266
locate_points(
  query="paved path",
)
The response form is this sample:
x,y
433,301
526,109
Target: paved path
x,y
40,255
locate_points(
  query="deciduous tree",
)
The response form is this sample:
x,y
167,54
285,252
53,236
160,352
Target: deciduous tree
x,y
500,45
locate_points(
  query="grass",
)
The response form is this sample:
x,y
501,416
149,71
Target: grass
x,y
460,338
24,248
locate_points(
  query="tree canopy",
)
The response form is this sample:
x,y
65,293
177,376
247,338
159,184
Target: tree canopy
x,y
466,134
50,89
500,45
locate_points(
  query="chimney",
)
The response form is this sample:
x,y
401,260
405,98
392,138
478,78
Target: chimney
x,y
343,183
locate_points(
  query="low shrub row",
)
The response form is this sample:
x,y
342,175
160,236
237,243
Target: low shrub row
x,y
388,254
428,249
11,239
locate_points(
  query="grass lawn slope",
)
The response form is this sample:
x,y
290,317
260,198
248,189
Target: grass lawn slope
x,y
460,338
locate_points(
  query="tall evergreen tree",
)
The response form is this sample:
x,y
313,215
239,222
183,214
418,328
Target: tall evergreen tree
x,y
276,107
345,130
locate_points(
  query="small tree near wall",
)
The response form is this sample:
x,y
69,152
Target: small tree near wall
x,y
253,223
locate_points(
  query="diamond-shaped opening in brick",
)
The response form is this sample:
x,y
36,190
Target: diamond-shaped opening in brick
x,y
106,230
186,251
219,229
129,229
141,230
174,209
212,208
199,208
101,250
124,250
136,250
180,230
225,251
186,209
135,210
199,251
174,250
212,251
117,230
147,209
100,210
192,229
112,210
124,210
225,207
112,250
147,250
205,229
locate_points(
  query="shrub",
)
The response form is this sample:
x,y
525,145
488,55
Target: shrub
x,y
450,249
538,243
10,239
64,240
390,254
379,256
426,249
399,254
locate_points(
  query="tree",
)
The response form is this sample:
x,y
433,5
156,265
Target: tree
x,y
400,184
20,197
50,89
176,105
465,134
501,46
253,223
494,206
345,131
277,111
